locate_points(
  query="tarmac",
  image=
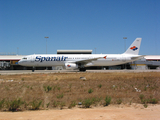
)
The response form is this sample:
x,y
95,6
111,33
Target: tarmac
x,y
10,72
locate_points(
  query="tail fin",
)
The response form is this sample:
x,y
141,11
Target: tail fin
x,y
135,47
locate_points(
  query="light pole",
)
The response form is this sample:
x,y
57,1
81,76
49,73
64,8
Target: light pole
x,y
124,43
124,48
46,43
17,50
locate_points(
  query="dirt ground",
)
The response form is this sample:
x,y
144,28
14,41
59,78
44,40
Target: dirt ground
x,y
113,112
129,93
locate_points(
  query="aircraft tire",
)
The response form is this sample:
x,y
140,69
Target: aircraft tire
x,y
82,69
33,69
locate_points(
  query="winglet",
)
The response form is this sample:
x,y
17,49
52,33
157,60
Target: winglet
x,y
135,47
104,57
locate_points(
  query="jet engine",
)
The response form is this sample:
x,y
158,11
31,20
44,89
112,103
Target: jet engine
x,y
71,66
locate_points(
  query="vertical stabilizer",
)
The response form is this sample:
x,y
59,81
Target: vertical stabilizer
x,y
135,47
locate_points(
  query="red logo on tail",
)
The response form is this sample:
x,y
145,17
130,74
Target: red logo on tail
x,y
134,48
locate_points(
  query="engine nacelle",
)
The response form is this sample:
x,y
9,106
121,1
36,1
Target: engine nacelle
x,y
71,66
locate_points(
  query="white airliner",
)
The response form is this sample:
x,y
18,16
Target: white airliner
x,y
81,61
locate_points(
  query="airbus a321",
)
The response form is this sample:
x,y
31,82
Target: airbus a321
x,y
81,61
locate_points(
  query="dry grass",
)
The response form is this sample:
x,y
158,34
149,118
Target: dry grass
x,y
120,86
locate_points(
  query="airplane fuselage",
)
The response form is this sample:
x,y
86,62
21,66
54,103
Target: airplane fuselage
x,y
80,61
40,60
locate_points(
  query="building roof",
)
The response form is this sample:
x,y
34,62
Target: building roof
x,y
10,57
152,57
74,51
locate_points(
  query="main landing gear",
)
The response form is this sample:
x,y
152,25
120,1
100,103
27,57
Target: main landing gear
x,y
82,69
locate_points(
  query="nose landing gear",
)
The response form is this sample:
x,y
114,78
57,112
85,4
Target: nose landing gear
x,y
33,69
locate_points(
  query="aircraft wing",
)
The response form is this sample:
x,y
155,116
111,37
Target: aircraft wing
x,y
139,57
89,60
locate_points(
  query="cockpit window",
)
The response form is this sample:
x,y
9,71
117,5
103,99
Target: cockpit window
x,y
24,58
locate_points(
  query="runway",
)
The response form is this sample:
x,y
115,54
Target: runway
x,y
10,72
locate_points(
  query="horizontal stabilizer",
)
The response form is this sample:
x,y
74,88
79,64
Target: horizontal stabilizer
x,y
137,58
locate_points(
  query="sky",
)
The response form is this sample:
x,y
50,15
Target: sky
x,y
97,25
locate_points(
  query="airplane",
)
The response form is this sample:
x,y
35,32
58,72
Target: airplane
x,y
81,61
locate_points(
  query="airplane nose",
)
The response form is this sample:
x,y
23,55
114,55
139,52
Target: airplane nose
x,y
19,62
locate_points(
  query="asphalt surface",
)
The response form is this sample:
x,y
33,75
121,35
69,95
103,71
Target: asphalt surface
x,y
4,72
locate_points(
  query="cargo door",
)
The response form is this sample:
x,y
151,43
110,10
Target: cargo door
x,y
32,58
